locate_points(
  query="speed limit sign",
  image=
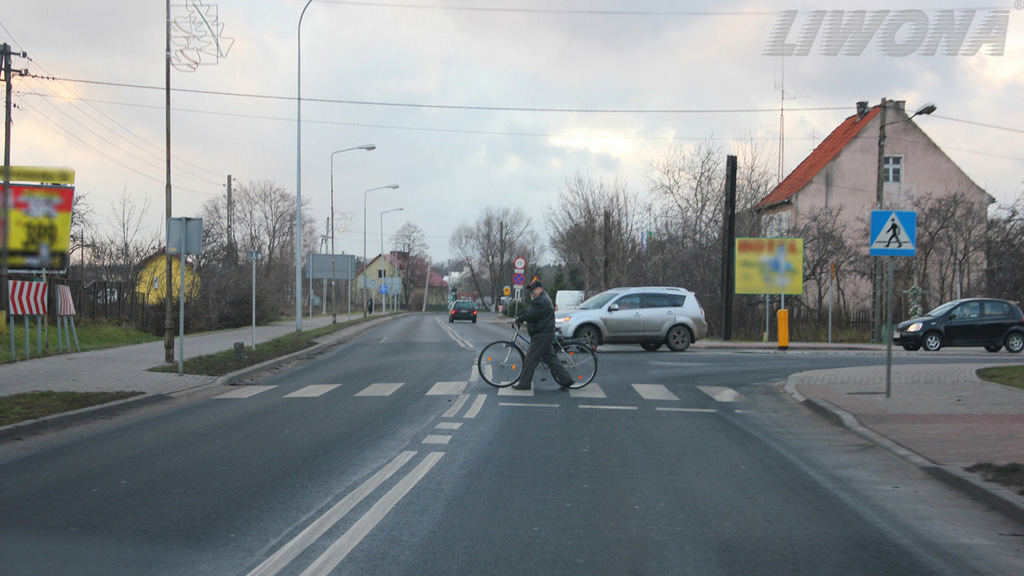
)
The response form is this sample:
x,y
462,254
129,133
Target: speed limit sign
x,y
520,263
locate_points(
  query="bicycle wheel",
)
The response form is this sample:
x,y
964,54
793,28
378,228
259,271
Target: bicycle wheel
x,y
581,362
500,364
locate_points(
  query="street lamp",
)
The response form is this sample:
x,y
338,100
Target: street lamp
x,y
382,242
298,178
880,202
365,263
368,148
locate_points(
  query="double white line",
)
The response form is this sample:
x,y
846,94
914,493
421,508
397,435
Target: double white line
x,y
337,552
462,342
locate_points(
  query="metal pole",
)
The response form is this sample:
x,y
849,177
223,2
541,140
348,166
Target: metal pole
x,y
168,290
334,308
876,302
298,176
254,303
887,333
831,273
181,299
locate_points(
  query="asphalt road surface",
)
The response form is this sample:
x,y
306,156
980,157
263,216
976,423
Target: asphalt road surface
x,y
389,455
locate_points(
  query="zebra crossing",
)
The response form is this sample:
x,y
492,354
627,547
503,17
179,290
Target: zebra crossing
x,y
656,393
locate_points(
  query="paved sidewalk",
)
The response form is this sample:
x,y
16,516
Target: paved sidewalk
x,y
942,418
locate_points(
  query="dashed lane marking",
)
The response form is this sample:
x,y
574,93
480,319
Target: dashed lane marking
x,y
380,389
313,391
246,391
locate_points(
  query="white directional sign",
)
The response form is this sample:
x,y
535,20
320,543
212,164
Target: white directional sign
x,y
893,233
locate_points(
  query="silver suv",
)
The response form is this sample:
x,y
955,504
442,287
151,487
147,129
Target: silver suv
x,y
649,316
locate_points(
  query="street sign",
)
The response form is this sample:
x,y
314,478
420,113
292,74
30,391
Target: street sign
x,y
383,289
893,233
507,291
519,262
518,279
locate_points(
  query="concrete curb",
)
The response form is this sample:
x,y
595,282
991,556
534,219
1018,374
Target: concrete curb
x,y
999,498
15,431
38,425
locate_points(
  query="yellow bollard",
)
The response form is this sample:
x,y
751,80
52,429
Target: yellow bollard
x,y
783,319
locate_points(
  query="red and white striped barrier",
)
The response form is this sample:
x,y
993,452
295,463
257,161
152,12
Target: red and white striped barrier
x,y
27,298
65,306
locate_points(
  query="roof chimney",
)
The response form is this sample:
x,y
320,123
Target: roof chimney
x,y
900,105
862,109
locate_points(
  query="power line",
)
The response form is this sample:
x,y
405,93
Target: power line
x,y
450,106
971,122
557,11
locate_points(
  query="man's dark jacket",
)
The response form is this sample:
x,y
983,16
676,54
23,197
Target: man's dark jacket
x,y
540,316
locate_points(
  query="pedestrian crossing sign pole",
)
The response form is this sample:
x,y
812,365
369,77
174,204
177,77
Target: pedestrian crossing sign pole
x,y
893,233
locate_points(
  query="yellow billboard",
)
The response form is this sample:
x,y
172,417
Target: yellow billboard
x,y
40,226
769,265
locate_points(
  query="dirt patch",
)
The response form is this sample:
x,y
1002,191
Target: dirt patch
x,y
1009,475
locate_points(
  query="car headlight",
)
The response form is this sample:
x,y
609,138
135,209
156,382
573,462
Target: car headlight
x,y
915,327
562,319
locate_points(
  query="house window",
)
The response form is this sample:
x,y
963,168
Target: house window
x,y
892,169
380,273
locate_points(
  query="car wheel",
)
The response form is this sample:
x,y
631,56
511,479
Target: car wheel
x,y
474,320
451,320
995,348
1015,342
932,341
650,346
678,338
911,347
590,334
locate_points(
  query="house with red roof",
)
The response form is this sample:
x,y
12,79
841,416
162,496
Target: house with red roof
x,y
841,173
407,277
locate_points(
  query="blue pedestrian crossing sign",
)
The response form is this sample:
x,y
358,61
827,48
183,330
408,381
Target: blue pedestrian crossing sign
x,y
893,233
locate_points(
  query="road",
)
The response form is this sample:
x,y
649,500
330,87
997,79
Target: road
x,y
387,455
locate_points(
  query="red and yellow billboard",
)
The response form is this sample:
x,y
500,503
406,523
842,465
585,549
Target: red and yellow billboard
x,y
40,222
769,265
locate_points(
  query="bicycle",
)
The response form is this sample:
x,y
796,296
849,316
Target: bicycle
x,y
501,363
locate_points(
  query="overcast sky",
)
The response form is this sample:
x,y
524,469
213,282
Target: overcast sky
x,y
470,103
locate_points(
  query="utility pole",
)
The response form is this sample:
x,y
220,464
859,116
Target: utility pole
x,y
7,54
232,248
877,286
168,269
728,247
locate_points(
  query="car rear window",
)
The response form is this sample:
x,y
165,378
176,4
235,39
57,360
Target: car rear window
x,y
652,300
997,309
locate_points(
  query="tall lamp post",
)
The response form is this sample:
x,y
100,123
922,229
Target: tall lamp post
x,y
368,148
382,239
298,178
880,202
365,263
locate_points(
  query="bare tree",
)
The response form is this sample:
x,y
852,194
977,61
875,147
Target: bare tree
x,y
596,232
410,242
119,253
491,245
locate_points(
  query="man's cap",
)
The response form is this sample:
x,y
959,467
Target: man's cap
x,y
535,284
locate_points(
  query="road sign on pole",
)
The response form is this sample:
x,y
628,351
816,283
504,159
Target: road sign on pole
x,y
893,233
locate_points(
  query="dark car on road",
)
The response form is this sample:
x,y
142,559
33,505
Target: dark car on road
x,y
462,310
969,322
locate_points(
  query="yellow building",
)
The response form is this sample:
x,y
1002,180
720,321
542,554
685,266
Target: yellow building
x,y
153,274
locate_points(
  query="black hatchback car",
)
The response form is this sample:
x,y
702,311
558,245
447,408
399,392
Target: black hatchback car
x,y
462,310
970,322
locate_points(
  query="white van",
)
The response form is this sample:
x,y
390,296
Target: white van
x,y
566,300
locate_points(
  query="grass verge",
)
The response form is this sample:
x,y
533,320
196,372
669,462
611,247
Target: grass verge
x,y
1010,475
32,405
91,336
226,362
1005,375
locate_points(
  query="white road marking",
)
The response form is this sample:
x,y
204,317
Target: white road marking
x,y
437,439
510,391
337,552
530,404
462,342
722,394
290,551
593,390
312,391
599,407
477,405
380,389
456,406
698,410
447,389
449,426
654,392
245,391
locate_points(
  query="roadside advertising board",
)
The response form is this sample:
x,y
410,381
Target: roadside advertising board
x,y
769,265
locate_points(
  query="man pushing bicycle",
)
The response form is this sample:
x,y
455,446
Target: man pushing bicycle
x,y
540,325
